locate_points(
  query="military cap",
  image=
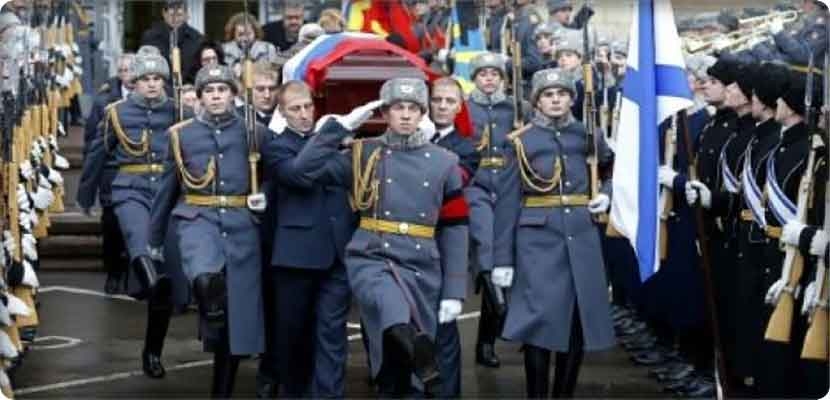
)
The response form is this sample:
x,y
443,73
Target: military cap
x,y
794,94
148,63
775,83
571,41
723,70
619,47
556,5
214,73
745,77
148,49
543,29
548,78
487,60
697,65
404,89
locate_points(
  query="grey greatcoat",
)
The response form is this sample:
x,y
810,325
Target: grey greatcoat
x,y
213,239
118,145
417,180
557,250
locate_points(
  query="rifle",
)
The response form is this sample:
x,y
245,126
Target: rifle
x,y
589,119
176,66
705,262
815,341
516,68
666,194
780,323
250,117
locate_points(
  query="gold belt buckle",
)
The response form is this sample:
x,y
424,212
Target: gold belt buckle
x,y
403,228
223,201
565,200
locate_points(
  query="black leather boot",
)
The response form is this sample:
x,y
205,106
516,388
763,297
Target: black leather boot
x,y
486,355
419,355
211,295
159,311
537,371
566,374
113,284
224,374
145,272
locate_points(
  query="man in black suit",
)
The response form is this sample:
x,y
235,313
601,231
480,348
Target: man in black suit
x,y
285,32
189,39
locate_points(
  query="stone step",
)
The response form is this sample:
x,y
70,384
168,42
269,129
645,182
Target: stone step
x,y
74,223
70,246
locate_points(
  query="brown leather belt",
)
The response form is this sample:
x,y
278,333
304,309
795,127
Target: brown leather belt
x,y
216,201
555,201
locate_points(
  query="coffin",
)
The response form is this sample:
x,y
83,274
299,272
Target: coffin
x,y
356,79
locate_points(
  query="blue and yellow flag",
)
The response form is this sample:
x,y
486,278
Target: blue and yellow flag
x,y
467,40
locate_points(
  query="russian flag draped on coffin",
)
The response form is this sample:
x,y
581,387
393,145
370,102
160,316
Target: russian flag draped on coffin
x,y
655,88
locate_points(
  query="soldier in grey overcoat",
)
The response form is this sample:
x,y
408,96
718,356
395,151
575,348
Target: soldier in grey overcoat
x,y
407,261
132,140
559,300
206,192
492,113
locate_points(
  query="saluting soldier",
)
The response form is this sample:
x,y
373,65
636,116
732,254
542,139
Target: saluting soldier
x,y
114,253
207,193
313,223
445,102
492,112
407,261
133,142
559,300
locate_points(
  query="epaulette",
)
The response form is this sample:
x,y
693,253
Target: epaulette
x,y
178,126
113,104
519,132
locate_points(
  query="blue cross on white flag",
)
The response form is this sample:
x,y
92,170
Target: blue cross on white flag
x,y
655,88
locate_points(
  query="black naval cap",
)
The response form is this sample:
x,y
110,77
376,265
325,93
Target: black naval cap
x,y
776,80
794,95
724,70
746,78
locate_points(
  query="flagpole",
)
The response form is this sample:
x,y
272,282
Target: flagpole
x,y
721,385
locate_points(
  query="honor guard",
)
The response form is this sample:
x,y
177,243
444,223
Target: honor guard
x,y
525,20
132,141
209,193
560,13
445,103
554,248
114,253
313,223
407,261
493,114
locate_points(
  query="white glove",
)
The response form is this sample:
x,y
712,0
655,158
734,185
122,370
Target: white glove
x,y
819,243
29,245
776,26
359,115
25,221
774,292
9,242
502,277
426,126
599,204
61,129
791,232
43,198
442,56
60,162
55,177
17,306
29,276
53,143
33,218
7,348
5,316
278,122
156,254
450,310
256,202
666,175
695,190
26,169
23,198
811,299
